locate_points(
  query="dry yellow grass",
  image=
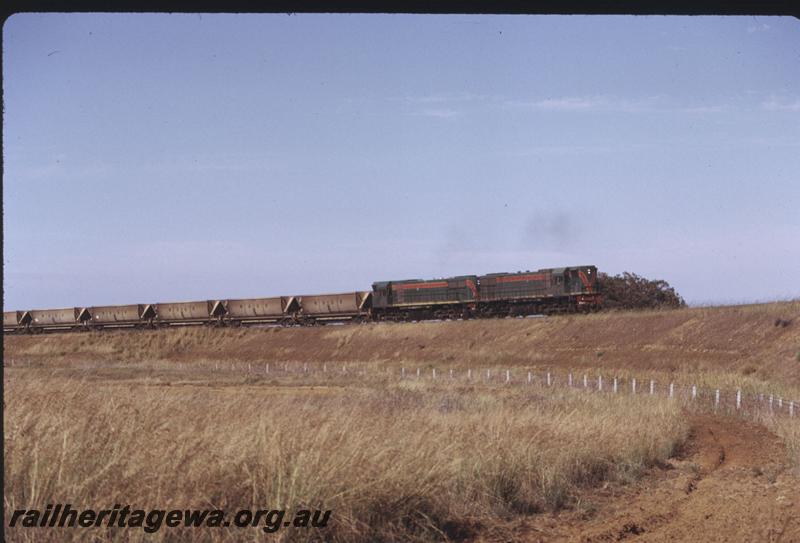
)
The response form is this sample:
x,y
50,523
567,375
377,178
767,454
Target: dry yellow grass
x,y
394,461
789,432
173,419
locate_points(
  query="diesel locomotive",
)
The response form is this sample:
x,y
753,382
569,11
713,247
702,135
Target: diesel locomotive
x,y
546,291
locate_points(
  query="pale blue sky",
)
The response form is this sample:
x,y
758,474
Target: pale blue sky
x,y
174,157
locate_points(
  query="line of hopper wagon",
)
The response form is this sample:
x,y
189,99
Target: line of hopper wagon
x,y
285,310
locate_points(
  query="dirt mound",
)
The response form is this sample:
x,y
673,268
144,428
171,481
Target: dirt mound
x,y
741,339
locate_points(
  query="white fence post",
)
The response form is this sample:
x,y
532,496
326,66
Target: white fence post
x,y
469,374
488,374
694,391
305,367
738,399
615,385
325,368
548,378
344,368
402,373
633,385
780,403
652,386
585,381
529,377
770,402
716,398
418,373
569,379
599,382
434,374
451,373
791,408
508,376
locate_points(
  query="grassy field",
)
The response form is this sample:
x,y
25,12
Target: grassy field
x,y
393,461
189,418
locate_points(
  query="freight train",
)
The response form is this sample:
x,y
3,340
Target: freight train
x,y
545,291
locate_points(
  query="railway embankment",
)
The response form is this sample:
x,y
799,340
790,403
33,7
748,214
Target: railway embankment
x,y
759,341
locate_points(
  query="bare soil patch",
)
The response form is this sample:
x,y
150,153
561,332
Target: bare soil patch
x,y
730,483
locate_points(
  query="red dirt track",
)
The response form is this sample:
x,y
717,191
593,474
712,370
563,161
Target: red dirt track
x,y
732,483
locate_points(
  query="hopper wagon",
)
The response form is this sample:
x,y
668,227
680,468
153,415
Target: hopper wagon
x,y
118,316
14,321
55,319
179,313
278,309
319,308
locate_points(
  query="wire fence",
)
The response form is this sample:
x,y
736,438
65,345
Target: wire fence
x,y
715,399
734,401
